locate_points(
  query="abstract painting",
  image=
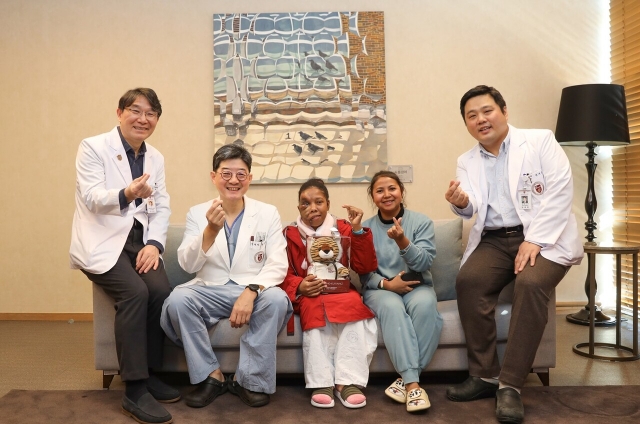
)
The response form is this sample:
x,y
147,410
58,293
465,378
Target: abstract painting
x,y
305,93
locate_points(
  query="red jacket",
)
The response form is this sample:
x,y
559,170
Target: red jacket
x,y
339,307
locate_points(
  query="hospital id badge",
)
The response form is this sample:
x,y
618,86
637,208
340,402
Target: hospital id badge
x,y
151,205
524,197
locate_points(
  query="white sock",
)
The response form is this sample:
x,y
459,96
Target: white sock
x,y
493,380
502,386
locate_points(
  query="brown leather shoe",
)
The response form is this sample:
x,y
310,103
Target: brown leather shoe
x,y
473,388
249,397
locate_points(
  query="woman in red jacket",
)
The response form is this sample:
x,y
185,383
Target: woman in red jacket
x,y
339,331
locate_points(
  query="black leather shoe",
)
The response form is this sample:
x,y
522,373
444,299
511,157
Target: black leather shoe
x,y
162,392
251,398
206,392
146,411
473,388
509,408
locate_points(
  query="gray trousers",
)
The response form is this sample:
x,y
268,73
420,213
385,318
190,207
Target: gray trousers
x,y
481,279
191,310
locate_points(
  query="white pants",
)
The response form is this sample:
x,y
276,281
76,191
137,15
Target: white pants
x,y
339,353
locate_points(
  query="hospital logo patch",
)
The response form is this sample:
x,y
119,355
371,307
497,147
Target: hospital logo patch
x,y
538,187
259,257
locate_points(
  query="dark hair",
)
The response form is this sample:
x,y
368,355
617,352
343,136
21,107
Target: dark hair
x,y
130,96
388,174
481,90
231,151
314,182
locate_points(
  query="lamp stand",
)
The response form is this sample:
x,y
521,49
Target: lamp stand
x,y
590,204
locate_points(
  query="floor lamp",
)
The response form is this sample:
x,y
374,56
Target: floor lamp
x,y
592,115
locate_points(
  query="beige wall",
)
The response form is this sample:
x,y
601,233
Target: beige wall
x,y
65,63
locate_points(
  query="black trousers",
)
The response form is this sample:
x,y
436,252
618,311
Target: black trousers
x,y
481,279
138,303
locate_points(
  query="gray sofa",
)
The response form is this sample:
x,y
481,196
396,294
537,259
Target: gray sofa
x,y
451,354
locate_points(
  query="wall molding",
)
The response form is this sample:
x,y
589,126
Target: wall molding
x,y
46,316
574,304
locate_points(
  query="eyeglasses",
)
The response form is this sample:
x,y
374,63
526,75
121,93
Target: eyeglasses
x,y
240,175
138,113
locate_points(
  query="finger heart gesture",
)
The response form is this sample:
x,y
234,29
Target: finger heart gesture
x,y
396,232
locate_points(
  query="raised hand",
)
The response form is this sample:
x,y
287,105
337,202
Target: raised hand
x,y
456,195
215,216
355,217
138,189
396,232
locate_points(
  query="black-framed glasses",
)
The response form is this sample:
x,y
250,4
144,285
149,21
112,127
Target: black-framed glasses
x,y
240,175
150,115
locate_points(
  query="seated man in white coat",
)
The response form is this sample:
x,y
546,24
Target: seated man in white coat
x,y
119,231
235,246
519,184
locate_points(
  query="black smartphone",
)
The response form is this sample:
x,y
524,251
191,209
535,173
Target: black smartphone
x,y
413,276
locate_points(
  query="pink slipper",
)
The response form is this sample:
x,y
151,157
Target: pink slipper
x,y
351,397
322,398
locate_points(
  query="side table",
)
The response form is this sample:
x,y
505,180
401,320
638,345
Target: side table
x,y
617,249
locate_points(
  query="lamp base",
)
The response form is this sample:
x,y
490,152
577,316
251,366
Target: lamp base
x,y
600,318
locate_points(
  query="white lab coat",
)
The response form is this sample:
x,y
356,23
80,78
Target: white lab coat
x,y
549,221
260,256
100,228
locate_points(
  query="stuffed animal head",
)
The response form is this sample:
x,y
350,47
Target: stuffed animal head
x,y
325,250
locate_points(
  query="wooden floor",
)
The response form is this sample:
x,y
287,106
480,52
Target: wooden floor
x,y
55,355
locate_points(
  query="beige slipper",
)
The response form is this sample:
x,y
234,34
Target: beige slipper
x,y
417,400
397,391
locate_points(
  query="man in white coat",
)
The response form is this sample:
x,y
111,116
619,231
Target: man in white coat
x,y
119,231
519,184
235,246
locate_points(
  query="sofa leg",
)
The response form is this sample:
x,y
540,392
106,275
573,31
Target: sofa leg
x,y
107,378
544,377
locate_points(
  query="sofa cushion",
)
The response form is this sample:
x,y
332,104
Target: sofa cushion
x,y
175,273
448,256
452,333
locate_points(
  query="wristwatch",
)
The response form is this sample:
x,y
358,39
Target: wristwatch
x,y
255,288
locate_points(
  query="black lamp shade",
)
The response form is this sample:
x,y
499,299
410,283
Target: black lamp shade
x,y
593,113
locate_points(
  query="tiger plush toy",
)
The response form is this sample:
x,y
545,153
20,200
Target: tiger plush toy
x,y
324,256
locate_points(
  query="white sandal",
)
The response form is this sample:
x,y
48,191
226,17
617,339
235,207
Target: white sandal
x,y
417,400
397,391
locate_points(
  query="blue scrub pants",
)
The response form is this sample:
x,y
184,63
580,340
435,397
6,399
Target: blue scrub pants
x,y
191,310
410,325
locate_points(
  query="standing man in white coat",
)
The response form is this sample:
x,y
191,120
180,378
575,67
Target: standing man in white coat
x,y
119,231
519,184
235,246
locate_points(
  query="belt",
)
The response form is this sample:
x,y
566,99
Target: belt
x,y
506,230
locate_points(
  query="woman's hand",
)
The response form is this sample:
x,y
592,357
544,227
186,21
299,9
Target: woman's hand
x,y
355,217
311,286
396,233
398,285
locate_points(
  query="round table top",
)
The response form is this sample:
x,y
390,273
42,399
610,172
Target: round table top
x,y
612,247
